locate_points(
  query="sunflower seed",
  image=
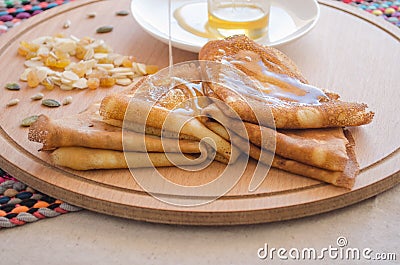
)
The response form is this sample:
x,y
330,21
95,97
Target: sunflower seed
x,y
37,96
13,86
66,81
81,83
123,81
141,68
120,70
41,74
89,54
106,66
104,29
24,75
67,100
67,24
122,75
66,87
52,54
29,120
99,56
51,103
33,63
13,102
70,75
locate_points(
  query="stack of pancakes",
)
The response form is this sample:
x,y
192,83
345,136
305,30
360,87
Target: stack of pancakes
x,y
161,120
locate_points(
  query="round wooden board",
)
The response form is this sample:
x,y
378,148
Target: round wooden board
x,y
349,52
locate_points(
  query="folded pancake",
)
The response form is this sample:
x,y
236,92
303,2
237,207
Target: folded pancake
x,y
169,104
148,129
88,130
344,178
323,148
277,84
82,158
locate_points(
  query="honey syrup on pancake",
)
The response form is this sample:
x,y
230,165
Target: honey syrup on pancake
x,y
176,94
173,93
273,86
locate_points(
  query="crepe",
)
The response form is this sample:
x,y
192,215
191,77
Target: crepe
x,y
82,158
310,149
277,85
147,129
156,103
343,178
88,130
323,148
251,88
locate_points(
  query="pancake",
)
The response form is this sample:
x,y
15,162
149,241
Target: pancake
x,y
323,148
155,102
82,158
147,130
343,178
88,130
277,85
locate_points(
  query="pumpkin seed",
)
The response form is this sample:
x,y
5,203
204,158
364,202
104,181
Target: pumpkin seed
x,y
37,96
29,120
13,102
122,13
91,15
51,103
13,86
67,100
104,29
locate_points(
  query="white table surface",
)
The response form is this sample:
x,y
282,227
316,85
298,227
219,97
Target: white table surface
x,y
91,238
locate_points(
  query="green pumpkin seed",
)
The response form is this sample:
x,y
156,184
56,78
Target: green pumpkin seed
x,y
13,86
29,120
122,13
104,29
51,103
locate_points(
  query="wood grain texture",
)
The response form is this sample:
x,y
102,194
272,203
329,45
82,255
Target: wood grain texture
x,y
348,51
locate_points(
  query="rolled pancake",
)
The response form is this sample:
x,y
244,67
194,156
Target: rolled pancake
x,y
157,132
276,84
323,148
152,102
88,130
82,158
147,130
344,178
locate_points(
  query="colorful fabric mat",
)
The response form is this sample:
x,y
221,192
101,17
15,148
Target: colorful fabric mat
x,y
388,10
13,12
20,204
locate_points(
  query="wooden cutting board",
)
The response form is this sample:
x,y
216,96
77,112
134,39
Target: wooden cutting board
x,y
349,52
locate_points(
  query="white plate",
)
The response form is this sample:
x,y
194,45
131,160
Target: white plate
x,y
289,20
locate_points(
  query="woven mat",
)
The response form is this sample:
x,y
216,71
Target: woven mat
x,y
20,204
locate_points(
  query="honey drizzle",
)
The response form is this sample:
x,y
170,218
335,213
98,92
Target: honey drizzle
x,y
171,59
273,85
